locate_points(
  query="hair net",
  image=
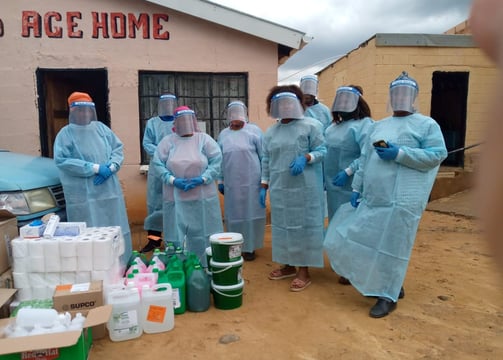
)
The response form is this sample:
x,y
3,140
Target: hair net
x,y
346,99
286,105
309,85
184,121
403,93
79,96
236,110
166,105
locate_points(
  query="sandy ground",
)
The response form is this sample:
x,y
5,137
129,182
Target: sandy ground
x,y
452,310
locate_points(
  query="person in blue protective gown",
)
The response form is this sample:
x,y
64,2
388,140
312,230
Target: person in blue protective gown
x,y
293,150
156,129
370,239
89,155
344,138
313,107
188,163
239,181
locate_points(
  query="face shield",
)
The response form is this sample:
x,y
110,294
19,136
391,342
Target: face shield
x,y
309,85
346,99
403,93
166,105
236,110
286,105
82,113
184,122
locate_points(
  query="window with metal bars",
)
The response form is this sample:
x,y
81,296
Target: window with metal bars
x,y
206,93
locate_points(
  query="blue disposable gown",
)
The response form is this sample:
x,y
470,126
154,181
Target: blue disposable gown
x,y
344,142
242,151
371,245
195,213
297,206
76,150
155,130
320,112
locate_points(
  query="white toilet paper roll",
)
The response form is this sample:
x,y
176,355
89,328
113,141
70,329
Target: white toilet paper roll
x,y
83,277
39,292
84,246
52,264
21,280
84,263
37,264
97,275
21,264
19,248
23,294
37,279
68,246
52,279
68,264
68,277
51,248
102,263
102,247
36,247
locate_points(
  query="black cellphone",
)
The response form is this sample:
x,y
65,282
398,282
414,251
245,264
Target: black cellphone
x,y
380,143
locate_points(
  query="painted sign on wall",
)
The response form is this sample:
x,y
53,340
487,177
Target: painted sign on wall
x,y
115,25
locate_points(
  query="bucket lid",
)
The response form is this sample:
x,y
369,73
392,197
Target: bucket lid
x,y
226,238
208,250
226,264
239,285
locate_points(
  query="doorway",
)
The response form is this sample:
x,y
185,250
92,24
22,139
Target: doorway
x,y
448,107
54,86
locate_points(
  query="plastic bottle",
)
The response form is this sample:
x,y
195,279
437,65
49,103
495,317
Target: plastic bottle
x,y
157,309
198,289
124,322
157,260
190,262
135,255
176,277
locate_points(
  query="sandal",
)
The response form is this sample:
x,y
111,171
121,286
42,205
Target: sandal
x,y
278,274
299,285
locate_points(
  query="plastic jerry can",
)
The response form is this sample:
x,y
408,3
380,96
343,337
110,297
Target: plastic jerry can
x,y
124,323
177,280
157,314
198,289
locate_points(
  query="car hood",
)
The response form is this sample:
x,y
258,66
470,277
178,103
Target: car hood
x,y
25,172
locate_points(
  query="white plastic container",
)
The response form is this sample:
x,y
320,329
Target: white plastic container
x,y
157,313
29,317
124,323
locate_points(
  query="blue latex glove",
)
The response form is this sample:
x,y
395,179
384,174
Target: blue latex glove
x,y
193,182
389,153
104,171
340,179
355,196
263,196
221,188
98,180
180,183
297,166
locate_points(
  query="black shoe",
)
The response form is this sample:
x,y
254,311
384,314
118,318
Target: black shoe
x,y
249,256
402,293
151,245
344,281
382,308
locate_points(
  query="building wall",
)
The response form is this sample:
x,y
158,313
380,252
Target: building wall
x,y
374,68
193,45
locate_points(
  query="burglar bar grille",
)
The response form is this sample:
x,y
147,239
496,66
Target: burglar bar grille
x,y
59,196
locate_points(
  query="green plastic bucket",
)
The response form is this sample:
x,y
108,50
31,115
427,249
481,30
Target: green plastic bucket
x,y
227,273
208,256
226,247
227,297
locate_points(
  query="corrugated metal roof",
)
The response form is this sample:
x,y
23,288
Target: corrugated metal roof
x,y
237,20
431,40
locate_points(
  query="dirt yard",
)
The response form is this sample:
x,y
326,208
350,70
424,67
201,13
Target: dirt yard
x,y
452,310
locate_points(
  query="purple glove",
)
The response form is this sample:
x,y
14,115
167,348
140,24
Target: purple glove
x,y
180,183
263,196
355,196
193,182
340,179
104,171
297,166
387,153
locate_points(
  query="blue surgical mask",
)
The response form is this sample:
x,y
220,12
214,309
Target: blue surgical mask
x,y
167,117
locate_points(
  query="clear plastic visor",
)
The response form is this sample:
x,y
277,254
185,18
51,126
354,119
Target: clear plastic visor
x,y
402,98
286,106
185,123
346,100
82,113
309,86
166,106
236,111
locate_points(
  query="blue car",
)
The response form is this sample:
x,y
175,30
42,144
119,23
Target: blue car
x,y
30,187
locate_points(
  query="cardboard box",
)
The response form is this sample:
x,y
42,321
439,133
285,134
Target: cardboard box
x,y
31,232
70,345
8,231
6,297
80,298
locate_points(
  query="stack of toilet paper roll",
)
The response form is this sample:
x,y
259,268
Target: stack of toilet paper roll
x,y
40,264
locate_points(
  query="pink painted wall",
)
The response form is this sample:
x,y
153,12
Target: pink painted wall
x,y
193,45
